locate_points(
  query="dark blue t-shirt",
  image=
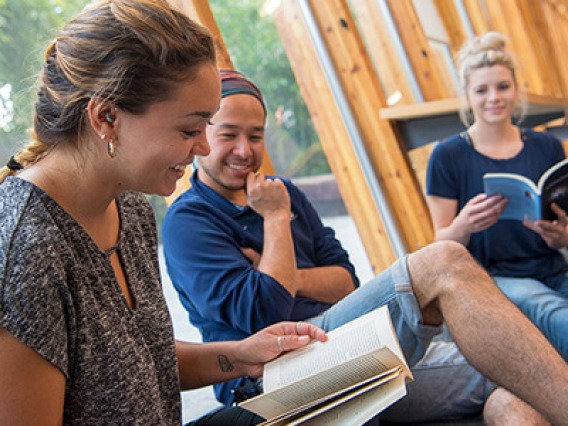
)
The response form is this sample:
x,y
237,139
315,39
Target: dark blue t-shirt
x,y
508,248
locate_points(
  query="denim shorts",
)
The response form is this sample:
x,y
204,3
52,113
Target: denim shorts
x,y
445,385
392,288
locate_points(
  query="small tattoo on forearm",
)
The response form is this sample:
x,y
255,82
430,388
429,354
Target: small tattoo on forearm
x,y
225,364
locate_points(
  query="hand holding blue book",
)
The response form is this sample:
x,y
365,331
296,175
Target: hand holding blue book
x,y
528,199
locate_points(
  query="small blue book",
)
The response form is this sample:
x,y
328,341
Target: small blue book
x,y
527,199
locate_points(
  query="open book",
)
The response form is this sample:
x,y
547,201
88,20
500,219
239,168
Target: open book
x,y
527,199
349,379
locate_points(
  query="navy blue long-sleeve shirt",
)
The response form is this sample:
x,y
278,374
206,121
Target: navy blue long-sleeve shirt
x,y
225,296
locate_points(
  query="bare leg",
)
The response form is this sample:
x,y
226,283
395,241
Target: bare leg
x,y
502,408
493,335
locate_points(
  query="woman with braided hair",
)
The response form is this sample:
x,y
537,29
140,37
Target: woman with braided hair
x,y
127,90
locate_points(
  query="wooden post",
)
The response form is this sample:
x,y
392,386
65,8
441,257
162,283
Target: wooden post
x,y
365,98
382,50
333,135
426,72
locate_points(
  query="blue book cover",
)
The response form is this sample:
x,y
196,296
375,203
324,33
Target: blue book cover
x,y
527,199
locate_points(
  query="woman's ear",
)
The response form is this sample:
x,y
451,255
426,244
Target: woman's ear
x,y
102,116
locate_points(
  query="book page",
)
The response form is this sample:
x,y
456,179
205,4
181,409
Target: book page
x,y
354,406
362,408
353,355
363,335
551,172
554,189
323,385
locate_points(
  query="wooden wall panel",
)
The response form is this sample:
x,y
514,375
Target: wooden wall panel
x,y
537,39
419,54
419,158
479,20
555,15
333,135
365,98
380,47
513,18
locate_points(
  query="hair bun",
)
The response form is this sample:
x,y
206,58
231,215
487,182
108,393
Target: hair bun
x,y
488,42
492,41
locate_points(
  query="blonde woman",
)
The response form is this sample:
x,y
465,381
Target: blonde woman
x,y
523,257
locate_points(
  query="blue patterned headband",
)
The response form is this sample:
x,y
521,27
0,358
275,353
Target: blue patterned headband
x,y
233,82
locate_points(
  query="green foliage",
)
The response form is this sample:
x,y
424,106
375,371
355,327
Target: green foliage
x,y
26,26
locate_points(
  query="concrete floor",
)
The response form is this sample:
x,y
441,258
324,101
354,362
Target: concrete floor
x,y
195,403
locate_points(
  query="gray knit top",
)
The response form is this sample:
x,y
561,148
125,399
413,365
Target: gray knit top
x,y
60,297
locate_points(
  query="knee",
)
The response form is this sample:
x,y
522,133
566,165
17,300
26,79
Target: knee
x,y
444,258
444,266
503,408
448,252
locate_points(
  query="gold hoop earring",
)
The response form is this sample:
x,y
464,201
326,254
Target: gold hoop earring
x,y
110,148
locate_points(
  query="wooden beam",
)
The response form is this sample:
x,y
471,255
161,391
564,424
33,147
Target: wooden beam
x,y
365,97
333,134
363,93
478,18
418,50
452,23
388,65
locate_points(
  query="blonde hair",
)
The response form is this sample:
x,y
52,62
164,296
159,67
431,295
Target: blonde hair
x,y
482,51
127,52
